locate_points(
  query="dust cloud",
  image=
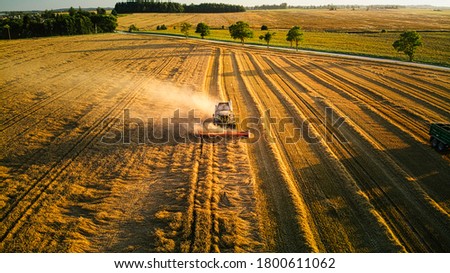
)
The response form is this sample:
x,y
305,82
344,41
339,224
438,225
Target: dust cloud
x,y
169,98
159,101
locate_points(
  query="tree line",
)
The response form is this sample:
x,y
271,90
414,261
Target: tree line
x,y
268,7
51,23
172,7
407,43
213,8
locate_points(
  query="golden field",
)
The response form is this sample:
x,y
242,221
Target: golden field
x,y
371,185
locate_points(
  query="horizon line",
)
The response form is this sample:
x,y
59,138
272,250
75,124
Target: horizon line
x,y
289,7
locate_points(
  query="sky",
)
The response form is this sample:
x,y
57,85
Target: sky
x,y
8,5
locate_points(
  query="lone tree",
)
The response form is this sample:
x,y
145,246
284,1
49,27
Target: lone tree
x,y
264,27
72,11
267,37
7,27
101,11
240,30
295,34
185,28
203,29
408,42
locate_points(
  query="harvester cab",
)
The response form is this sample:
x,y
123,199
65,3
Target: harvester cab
x,y
223,115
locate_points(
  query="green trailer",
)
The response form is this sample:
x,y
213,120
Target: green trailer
x,y
440,136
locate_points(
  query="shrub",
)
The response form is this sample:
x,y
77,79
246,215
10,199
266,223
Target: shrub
x,y
133,28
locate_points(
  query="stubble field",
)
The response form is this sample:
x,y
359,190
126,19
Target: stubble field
x,y
368,184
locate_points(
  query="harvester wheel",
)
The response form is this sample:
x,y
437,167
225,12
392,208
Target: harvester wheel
x,y
441,147
434,142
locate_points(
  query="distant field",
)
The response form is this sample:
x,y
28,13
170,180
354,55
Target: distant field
x,y
311,20
325,30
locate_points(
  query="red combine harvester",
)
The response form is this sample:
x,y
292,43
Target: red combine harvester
x,y
223,124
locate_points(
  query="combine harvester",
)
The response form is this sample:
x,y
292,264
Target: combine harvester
x,y
223,124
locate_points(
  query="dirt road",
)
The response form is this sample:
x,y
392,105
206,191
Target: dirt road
x,y
341,164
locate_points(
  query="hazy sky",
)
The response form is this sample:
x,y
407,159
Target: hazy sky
x,y
6,5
